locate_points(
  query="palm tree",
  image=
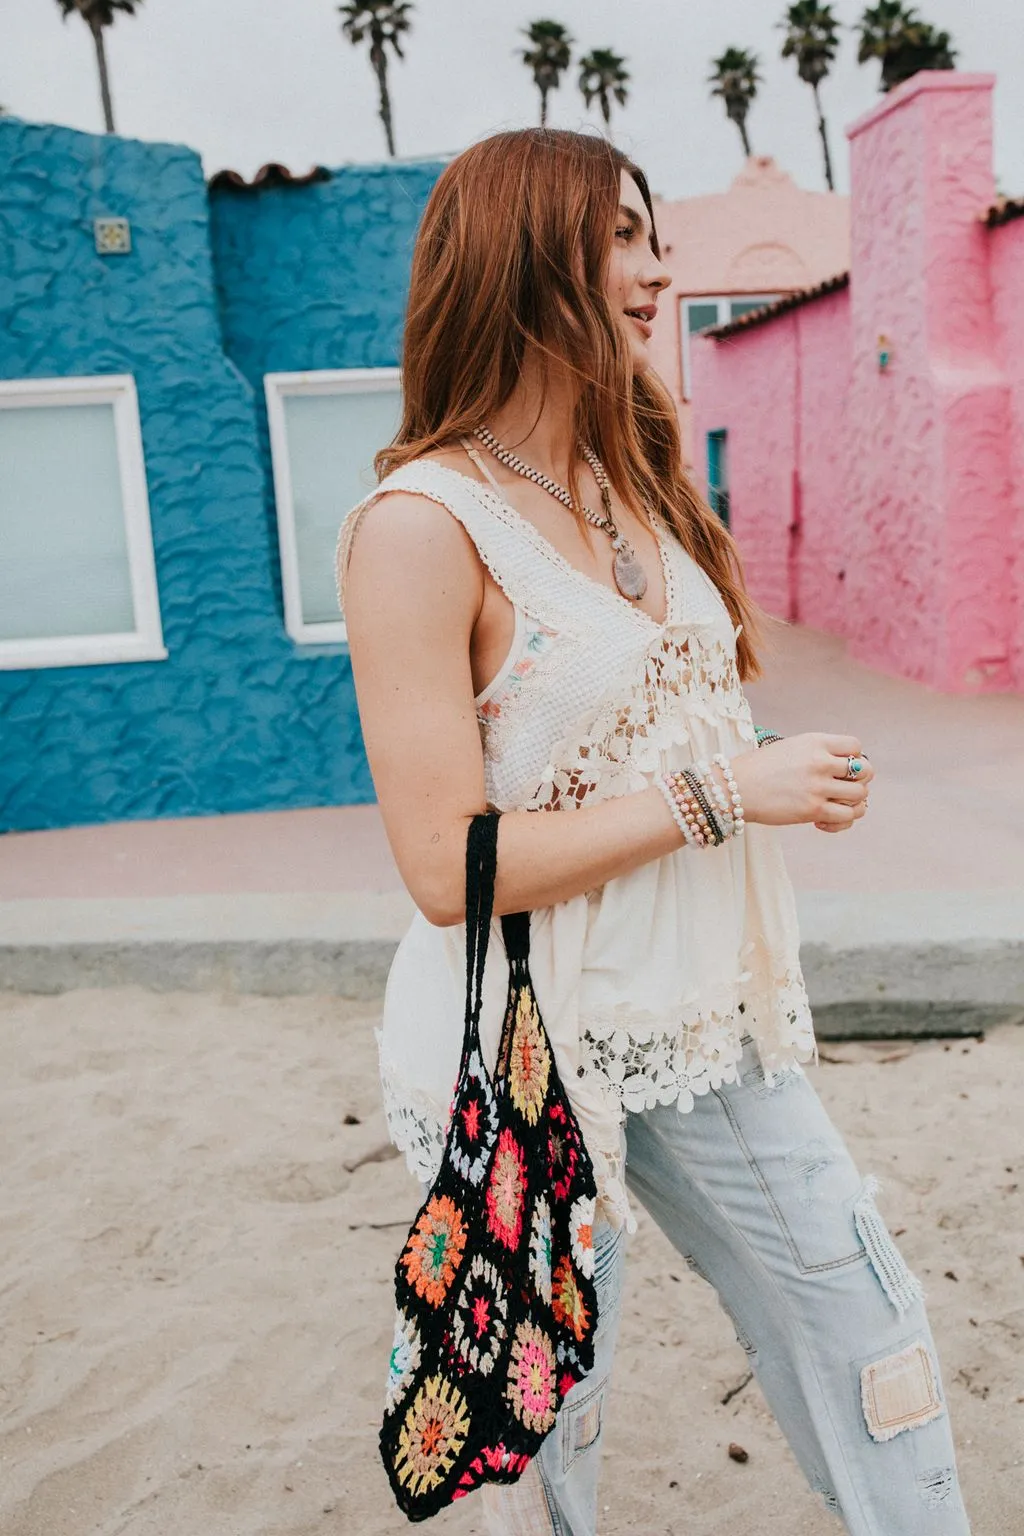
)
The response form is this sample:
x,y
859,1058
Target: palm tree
x,y
812,38
383,22
98,14
602,76
905,44
736,80
548,57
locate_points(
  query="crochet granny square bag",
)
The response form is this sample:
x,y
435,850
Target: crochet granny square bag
x,y
494,1289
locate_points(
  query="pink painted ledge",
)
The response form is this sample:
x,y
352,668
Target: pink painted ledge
x,y
935,752
326,849
928,81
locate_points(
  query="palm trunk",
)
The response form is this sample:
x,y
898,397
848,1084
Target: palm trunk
x,y
378,59
824,139
606,112
96,28
741,124
543,106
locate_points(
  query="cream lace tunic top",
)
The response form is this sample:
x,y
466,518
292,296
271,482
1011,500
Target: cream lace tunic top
x,y
647,984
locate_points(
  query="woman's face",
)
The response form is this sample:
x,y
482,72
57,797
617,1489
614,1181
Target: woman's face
x,y
635,275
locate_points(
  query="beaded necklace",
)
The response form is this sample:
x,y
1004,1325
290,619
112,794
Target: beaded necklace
x,y
630,576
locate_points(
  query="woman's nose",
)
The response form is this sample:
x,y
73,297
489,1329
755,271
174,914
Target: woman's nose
x,y
658,277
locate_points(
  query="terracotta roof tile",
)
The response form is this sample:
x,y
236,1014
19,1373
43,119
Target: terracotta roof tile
x,y
1006,209
272,175
781,306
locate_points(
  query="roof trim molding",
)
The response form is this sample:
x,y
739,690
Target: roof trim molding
x,y
797,300
1004,212
270,175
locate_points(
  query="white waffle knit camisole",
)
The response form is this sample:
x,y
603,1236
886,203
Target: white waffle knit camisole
x,y
647,984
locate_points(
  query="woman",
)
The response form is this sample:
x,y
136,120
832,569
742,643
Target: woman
x,y
514,646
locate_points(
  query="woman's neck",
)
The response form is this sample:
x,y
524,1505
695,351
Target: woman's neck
x,y
536,422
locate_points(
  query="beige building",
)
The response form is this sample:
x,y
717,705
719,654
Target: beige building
x,y
734,251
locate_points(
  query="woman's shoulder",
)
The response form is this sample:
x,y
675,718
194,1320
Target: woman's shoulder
x,y
407,523
413,499
451,457
416,491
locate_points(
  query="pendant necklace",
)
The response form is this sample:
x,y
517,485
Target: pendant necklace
x,y
630,576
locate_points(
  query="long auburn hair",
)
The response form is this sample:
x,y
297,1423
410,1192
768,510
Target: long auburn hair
x,y
512,254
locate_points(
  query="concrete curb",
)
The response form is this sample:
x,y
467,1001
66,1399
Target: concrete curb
x,y
920,964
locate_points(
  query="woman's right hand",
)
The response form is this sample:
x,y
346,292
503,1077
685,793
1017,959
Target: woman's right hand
x,y
802,779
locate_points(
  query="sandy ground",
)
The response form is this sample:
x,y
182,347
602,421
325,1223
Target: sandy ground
x,y
195,1281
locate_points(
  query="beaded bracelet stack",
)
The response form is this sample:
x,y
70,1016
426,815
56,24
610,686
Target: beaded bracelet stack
x,y
705,813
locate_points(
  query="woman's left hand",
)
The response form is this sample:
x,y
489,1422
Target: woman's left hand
x,y
860,806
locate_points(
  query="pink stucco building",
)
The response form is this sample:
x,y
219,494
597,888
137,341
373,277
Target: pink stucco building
x,y
734,251
867,436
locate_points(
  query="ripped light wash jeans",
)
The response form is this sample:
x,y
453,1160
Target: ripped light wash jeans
x,y
758,1192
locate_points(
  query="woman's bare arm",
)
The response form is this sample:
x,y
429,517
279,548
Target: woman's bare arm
x,y
414,591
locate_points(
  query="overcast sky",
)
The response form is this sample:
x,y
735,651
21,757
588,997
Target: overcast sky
x,y
246,81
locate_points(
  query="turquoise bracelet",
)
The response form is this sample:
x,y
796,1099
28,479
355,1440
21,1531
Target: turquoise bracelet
x,y
765,735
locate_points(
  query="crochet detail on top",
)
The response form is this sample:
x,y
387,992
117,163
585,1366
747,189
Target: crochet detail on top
x,y
649,1061
685,675
416,1125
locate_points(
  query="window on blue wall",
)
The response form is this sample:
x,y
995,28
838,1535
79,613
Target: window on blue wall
x,y
718,473
77,578
325,428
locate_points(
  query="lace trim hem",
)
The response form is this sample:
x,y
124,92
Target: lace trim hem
x,y
634,1062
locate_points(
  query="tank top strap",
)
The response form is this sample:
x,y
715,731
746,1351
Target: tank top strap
x,y
511,549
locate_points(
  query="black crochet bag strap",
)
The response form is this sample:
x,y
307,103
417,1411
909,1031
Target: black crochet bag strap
x,y
481,869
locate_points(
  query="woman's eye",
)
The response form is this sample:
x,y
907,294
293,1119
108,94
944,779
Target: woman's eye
x,y
625,232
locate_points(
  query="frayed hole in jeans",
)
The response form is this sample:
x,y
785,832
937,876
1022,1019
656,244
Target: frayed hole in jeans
x,y
828,1498
754,1078
805,1163
936,1485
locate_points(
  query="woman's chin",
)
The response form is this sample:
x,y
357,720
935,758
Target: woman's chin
x,y
641,358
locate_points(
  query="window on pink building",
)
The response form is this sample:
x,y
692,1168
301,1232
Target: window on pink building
x,y
700,313
718,474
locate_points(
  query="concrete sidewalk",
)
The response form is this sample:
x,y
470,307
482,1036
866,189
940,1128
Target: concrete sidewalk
x,y
917,914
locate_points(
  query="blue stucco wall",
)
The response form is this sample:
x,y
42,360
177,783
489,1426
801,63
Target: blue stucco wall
x,y
316,276
238,718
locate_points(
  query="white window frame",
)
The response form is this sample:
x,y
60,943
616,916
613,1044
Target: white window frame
x,y
321,381
146,641
723,301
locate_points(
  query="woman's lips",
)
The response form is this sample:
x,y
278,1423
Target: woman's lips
x,y
642,326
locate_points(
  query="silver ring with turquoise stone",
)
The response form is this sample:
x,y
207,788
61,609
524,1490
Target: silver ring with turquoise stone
x,y
854,767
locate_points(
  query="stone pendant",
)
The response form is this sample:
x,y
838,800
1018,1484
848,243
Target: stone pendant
x,y
630,576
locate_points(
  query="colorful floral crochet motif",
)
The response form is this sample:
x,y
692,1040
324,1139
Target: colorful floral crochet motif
x,y
530,1061
475,1126
405,1359
432,1435
434,1250
481,1314
563,1151
532,1378
581,1229
540,1249
567,1302
506,1192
